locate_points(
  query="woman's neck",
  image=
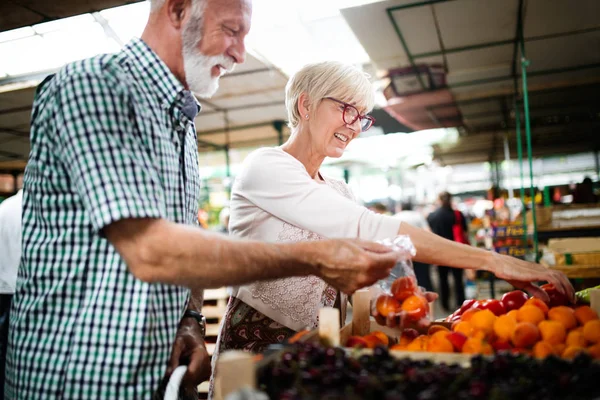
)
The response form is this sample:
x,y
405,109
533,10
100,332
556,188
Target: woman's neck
x,y
300,147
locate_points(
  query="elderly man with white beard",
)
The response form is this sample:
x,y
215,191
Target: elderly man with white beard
x,y
102,308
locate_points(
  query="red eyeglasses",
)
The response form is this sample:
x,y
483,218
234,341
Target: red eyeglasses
x,y
350,114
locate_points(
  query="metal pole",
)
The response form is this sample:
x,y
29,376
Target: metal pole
x,y
597,164
524,64
508,176
520,157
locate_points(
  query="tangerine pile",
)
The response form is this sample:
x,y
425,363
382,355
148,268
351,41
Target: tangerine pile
x,y
532,329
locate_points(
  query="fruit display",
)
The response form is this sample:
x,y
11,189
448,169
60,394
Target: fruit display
x,y
516,323
310,371
525,325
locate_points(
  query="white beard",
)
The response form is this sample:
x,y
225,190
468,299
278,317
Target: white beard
x,y
198,66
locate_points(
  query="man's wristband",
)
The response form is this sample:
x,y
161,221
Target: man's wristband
x,y
199,318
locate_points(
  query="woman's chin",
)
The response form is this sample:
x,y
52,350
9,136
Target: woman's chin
x,y
335,152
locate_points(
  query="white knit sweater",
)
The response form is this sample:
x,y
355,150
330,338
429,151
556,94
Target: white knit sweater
x,y
274,199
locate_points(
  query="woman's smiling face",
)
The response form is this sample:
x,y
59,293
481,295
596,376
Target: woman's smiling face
x,y
329,130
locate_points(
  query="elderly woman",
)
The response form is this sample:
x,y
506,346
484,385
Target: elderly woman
x,y
280,196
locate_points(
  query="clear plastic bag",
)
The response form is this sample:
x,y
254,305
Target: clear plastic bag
x,y
399,296
406,251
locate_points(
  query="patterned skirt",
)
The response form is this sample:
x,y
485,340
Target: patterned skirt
x,y
244,328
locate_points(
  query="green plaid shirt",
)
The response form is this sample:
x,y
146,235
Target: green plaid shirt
x,y
109,140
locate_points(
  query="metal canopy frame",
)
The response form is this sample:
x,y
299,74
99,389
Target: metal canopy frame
x,y
519,99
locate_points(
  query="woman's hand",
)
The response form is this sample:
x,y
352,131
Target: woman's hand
x,y
521,274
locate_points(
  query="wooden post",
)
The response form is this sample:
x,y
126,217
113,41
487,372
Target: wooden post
x,y
329,325
235,371
595,300
361,312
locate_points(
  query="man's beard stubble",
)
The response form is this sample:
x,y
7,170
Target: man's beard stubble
x,y
198,66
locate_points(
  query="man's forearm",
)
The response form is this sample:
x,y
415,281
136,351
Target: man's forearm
x,y
165,252
433,249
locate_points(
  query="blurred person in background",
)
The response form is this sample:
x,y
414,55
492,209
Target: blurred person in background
x,y
10,256
415,218
224,220
449,223
584,192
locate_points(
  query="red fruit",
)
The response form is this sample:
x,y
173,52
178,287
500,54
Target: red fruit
x,y
410,333
556,297
357,341
457,339
514,300
500,345
404,287
387,305
494,306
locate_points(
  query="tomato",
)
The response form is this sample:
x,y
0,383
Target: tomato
x,y
514,300
494,306
556,297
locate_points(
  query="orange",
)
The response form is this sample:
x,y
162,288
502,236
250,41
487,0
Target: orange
x,y
575,338
552,332
525,334
440,335
437,328
513,314
530,313
559,348
419,344
387,305
591,331
572,351
483,321
585,314
538,303
398,347
563,314
467,315
416,307
504,326
595,351
477,346
439,344
464,327
543,349
373,341
383,338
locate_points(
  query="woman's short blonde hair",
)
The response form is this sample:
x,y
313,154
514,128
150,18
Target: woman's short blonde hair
x,y
341,81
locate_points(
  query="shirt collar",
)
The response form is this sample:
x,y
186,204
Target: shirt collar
x,y
157,76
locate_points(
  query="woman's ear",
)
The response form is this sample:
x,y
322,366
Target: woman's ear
x,y
304,106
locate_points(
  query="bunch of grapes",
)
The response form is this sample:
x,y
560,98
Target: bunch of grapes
x,y
308,371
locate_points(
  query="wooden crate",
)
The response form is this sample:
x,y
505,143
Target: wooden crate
x,y
215,304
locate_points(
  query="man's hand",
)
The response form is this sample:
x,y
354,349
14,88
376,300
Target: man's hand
x,y
352,264
521,273
189,349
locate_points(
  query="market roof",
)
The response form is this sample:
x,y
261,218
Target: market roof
x,y
476,43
